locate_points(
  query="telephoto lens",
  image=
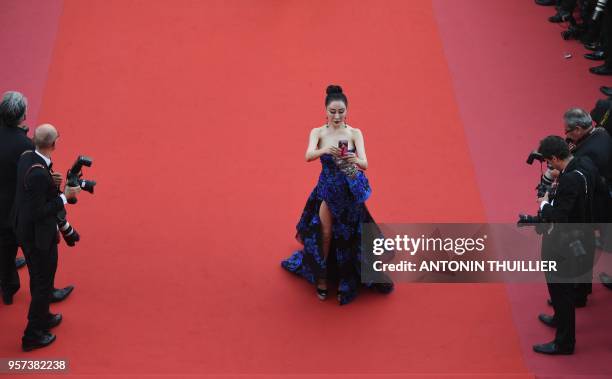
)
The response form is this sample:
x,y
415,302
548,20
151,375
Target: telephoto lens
x,y
599,8
69,234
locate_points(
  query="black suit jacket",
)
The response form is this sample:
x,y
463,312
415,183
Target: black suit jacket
x,y
36,203
573,202
598,147
13,142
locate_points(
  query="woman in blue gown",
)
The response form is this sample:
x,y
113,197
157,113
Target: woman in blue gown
x,y
330,226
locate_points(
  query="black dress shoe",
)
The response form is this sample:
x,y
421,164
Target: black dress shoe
x,y
31,343
61,294
7,299
547,320
559,17
601,70
54,320
596,56
20,262
553,349
546,3
593,46
606,279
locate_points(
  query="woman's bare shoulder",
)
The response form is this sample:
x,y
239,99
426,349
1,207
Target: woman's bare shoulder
x,y
317,130
354,131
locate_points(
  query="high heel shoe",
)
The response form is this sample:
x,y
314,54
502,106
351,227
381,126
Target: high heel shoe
x,y
322,293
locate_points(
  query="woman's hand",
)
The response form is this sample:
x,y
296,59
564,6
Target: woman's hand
x,y
333,150
351,158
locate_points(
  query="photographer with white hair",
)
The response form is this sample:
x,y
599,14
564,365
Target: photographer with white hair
x,y
13,142
587,140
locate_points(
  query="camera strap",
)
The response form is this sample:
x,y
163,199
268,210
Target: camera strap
x,y
586,186
25,177
589,199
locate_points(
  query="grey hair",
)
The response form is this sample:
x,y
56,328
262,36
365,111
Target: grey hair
x,y
12,108
577,117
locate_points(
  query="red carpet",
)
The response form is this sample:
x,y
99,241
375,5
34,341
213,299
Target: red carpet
x,y
197,116
513,86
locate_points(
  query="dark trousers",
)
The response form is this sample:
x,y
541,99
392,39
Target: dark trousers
x,y
606,29
585,287
568,5
563,300
42,265
9,278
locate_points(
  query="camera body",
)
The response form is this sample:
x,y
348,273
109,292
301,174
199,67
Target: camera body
x,y
546,185
537,221
535,156
74,176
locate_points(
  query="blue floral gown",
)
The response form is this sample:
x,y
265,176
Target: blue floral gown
x,y
345,199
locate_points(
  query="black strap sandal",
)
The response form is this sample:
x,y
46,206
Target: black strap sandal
x,y
322,293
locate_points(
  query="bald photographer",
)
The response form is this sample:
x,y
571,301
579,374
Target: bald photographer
x,y
37,204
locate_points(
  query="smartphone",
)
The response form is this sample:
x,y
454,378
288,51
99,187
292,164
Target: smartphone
x,y
343,146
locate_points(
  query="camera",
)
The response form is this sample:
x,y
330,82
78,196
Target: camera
x,y
546,185
74,176
546,179
534,155
540,223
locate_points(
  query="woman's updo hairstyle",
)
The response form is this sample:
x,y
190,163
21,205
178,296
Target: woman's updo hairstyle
x,y
335,93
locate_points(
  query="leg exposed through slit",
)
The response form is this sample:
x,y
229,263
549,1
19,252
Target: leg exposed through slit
x,y
326,219
326,228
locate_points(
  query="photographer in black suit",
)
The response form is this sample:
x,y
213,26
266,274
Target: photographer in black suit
x,y
13,142
595,143
36,206
573,203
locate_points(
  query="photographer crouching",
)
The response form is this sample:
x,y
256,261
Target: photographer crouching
x,y
37,204
570,245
